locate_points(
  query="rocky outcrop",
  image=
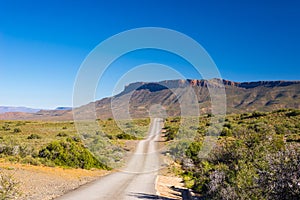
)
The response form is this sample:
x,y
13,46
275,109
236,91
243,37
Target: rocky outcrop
x,y
170,84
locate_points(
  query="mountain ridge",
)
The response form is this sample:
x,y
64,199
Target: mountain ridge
x,y
240,96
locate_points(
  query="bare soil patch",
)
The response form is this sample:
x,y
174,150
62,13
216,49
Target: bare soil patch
x,y
44,183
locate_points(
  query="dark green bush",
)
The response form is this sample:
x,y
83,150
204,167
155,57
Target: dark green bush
x,y
70,153
126,136
293,113
6,127
62,134
6,150
193,151
17,130
76,139
258,114
34,136
171,133
226,132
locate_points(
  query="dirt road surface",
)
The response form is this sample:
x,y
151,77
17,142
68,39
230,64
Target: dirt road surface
x,y
135,181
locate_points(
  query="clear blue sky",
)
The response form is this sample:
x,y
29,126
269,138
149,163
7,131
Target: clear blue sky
x,y
43,43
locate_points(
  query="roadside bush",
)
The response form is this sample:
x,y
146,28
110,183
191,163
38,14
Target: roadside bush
x,y
260,159
70,153
126,136
171,132
193,151
30,160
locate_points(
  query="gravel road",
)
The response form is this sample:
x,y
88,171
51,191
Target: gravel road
x,y
135,181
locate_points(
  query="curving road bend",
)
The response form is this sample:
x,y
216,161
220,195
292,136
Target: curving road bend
x,y
135,181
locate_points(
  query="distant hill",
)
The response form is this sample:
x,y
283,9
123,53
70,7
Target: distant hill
x,y
63,108
4,109
241,97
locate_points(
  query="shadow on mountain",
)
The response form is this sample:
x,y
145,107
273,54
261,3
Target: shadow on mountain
x,y
152,87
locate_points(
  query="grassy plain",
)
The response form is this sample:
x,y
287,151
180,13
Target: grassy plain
x,y
36,142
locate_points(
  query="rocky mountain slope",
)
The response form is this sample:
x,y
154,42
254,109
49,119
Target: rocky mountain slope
x,y
138,98
240,97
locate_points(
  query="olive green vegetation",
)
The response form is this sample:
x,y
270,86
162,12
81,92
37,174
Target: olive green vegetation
x,y
256,156
59,144
71,153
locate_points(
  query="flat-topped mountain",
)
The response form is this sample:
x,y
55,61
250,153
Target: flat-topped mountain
x,y
240,97
138,98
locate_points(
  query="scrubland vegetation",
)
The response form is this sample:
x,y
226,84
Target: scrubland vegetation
x,y
256,156
59,144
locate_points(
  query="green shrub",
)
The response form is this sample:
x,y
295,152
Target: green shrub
x,y
17,130
70,153
109,136
62,134
6,127
171,132
126,136
176,119
193,150
30,160
6,150
76,139
258,114
293,113
226,132
20,123
33,136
